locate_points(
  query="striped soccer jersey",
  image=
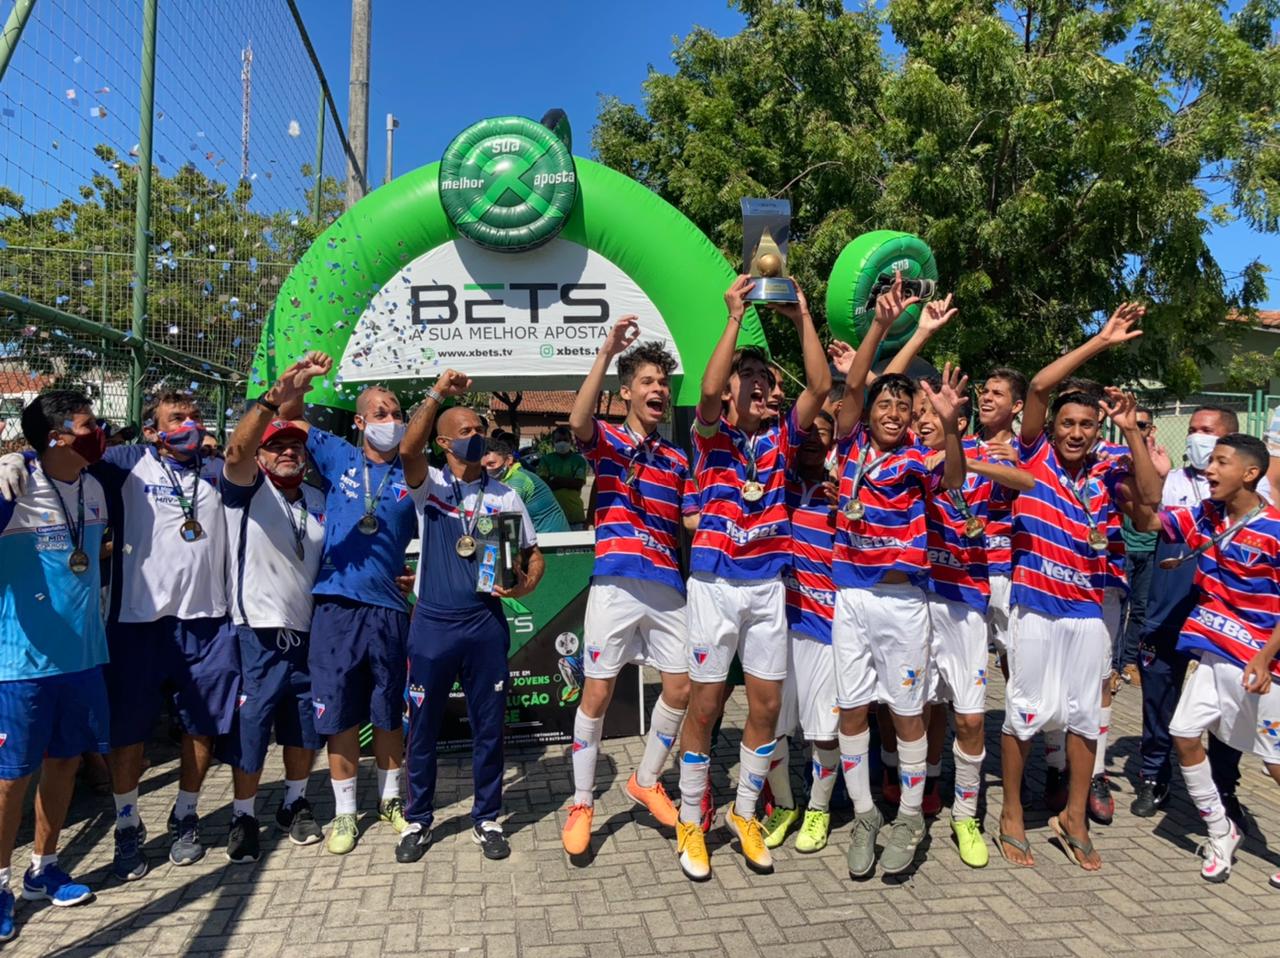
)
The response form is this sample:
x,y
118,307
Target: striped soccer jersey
x,y
958,562
1055,570
811,593
643,488
1239,584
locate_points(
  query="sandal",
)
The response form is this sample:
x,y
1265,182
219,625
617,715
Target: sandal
x,y
1020,844
1069,844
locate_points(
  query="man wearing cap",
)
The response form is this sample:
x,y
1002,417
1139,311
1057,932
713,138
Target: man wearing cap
x,y
358,629
275,535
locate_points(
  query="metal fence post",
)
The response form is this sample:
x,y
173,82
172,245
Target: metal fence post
x,y
221,393
315,200
142,208
13,28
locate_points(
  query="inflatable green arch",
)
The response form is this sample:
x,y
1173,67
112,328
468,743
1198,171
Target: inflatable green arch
x,y
395,295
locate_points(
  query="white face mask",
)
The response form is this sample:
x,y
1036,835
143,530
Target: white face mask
x,y
562,447
384,436
1199,449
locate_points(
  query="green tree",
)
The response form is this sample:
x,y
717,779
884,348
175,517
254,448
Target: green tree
x,y
1059,156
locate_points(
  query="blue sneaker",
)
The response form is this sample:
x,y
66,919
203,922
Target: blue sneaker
x,y
130,863
7,931
186,848
56,885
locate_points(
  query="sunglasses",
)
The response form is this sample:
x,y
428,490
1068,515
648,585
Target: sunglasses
x,y
1146,426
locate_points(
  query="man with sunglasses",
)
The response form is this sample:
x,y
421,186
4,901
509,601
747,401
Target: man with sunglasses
x,y
360,625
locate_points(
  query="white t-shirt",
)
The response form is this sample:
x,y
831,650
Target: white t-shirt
x,y
268,585
1186,487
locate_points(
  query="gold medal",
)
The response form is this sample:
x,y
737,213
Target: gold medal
x,y
854,509
465,546
974,527
78,562
1097,540
752,491
633,472
1170,563
191,530
368,524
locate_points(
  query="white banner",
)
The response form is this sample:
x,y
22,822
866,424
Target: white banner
x,y
509,320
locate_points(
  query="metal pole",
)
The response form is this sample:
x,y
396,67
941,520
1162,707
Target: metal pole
x,y
392,125
221,393
358,98
105,319
142,208
13,28
315,200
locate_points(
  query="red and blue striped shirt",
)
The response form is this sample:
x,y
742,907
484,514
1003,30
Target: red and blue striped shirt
x,y
737,539
1055,570
1239,583
999,521
958,563
811,593
890,536
643,488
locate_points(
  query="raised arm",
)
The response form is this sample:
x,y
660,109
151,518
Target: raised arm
x,y
625,332
855,365
1144,487
1117,330
241,462
1007,476
817,374
935,314
716,376
947,402
413,444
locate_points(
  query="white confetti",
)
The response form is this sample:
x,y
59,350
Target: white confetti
x,y
295,129
71,95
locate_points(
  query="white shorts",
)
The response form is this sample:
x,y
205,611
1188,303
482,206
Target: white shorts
x,y
958,656
1213,700
1053,674
632,620
747,617
881,642
1112,614
998,612
809,692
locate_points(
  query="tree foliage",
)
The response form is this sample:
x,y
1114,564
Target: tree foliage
x,y
1059,156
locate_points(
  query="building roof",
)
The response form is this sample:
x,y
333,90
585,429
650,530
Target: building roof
x,y
15,382
559,403
1261,319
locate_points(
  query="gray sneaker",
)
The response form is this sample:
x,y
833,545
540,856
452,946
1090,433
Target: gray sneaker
x,y
862,843
904,837
186,848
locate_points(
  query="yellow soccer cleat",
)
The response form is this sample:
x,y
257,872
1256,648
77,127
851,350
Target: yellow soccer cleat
x,y
750,835
691,845
779,824
969,840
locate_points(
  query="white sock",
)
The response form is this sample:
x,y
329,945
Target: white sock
x,y
933,770
185,804
344,795
244,806
127,809
1055,749
857,773
1204,794
695,776
586,748
1100,759
664,726
294,789
780,774
40,862
825,761
968,783
753,767
5,876
888,759
388,783
911,774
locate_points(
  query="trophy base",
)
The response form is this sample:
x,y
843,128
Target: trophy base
x,y
773,289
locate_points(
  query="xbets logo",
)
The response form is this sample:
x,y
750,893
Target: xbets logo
x,y
700,655
417,694
980,677
1270,729
434,304
910,677
319,707
850,762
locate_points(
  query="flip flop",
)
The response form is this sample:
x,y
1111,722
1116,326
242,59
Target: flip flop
x,y
1019,844
1068,843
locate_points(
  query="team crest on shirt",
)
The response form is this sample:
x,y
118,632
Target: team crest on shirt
x,y
241,699
319,707
594,654
980,677
416,694
850,762
700,655
910,677
4,737
1027,719
401,491
910,780
820,771
1147,654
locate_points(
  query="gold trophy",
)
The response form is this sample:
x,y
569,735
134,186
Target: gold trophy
x,y
766,225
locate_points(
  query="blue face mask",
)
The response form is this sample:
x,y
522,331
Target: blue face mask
x,y
469,450
184,443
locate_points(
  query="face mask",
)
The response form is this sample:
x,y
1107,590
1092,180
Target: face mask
x,y
90,447
384,436
184,443
283,482
469,450
1199,449
497,473
562,447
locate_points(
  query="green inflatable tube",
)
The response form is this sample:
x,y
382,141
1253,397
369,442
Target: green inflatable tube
x,y
325,294
856,271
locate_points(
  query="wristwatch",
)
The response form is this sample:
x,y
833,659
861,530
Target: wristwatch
x,y
267,404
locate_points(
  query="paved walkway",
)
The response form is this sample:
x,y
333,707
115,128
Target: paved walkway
x,y
632,900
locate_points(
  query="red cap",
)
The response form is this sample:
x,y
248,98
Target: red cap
x,y
283,429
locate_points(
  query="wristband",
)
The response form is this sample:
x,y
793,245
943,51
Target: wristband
x,y
267,404
432,394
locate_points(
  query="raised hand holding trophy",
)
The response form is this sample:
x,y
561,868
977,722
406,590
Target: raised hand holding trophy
x,y
766,228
